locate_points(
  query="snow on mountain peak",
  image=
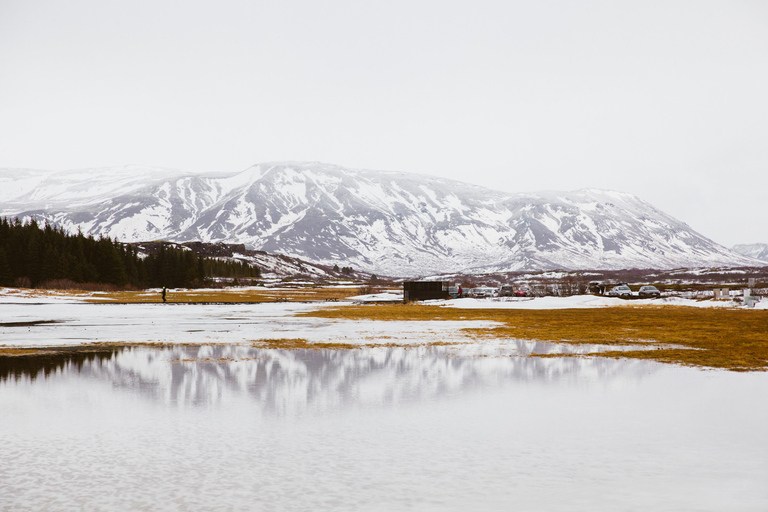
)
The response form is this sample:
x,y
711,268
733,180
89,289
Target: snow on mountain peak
x,y
757,251
379,221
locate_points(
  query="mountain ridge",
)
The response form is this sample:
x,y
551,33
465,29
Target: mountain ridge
x,y
758,251
385,222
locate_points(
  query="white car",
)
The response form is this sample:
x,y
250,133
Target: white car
x,y
620,291
483,291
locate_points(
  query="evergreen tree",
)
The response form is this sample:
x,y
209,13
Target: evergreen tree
x,y
35,255
6,277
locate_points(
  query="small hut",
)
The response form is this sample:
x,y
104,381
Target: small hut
x,y
425,290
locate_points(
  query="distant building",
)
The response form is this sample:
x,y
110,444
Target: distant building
x,y
425,290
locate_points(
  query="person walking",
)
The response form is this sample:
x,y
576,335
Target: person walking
x,y
163,292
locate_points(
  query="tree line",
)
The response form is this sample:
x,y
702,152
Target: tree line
x,y
35,256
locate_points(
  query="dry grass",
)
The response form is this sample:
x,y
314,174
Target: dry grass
x,y
89,347
213,360
303,344
191,296
14,351
726,338
226,296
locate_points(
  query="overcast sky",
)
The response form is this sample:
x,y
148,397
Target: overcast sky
x,y
667,100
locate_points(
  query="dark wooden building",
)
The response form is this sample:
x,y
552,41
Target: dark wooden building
x,y
424,290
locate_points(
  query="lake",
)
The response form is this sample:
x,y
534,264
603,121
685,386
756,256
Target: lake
x,y
233,427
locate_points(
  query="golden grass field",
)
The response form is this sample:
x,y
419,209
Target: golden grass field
x,y
708,337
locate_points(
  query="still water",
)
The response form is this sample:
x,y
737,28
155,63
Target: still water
x,y
230,427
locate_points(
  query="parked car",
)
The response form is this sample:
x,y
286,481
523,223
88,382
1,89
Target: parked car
x,y
620,291
649,291
522,292
507,290
483,291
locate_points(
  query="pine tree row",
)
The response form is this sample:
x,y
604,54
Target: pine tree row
x,y
33,256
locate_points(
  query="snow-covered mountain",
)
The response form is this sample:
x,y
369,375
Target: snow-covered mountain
x,y
756,251
383,222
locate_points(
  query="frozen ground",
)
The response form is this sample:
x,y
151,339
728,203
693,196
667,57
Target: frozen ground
x,y
18,296
576,301
32,319
387,296
26,296
585,301
28,324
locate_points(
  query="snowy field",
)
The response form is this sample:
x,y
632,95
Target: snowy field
x,y
56,322
73,324
575,301
586,301
32,319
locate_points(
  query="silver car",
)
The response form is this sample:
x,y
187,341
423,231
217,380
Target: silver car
x,y
620,291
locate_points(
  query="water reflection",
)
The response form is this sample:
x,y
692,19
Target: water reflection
x,y
34,363
286,382
237,427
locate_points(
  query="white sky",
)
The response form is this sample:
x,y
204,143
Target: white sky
x,y
667,100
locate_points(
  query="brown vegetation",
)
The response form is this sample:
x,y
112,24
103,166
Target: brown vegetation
x,y
231,295
368,289
68,284
300,344
303,344
725,338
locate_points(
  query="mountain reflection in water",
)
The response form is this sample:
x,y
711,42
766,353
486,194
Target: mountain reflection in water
x,y
233,427
292,381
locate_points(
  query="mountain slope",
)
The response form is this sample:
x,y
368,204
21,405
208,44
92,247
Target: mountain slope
x,y
382,222
756,251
